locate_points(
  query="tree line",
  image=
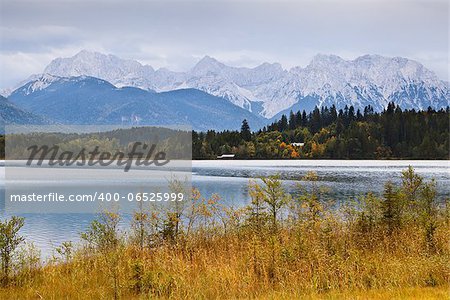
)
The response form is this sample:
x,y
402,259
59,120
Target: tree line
x,y
336,134
330,133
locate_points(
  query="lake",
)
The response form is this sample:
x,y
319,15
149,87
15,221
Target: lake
x,y
343,179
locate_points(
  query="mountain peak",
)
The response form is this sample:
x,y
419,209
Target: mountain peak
x,y
104,66
94,56
369,57
328,58
207,65
86,53
321,60
272,66
38,83
208,60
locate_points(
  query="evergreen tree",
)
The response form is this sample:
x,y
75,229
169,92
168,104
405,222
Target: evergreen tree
x,y
316,121
351,114
283,124
304,119
246,134
298,119
292,121
333,114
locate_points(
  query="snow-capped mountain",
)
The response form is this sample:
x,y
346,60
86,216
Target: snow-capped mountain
x,y
89,100
371,79
208,75
268,89
118,71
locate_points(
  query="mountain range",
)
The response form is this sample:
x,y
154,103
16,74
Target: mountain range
x,y
90,100
212,95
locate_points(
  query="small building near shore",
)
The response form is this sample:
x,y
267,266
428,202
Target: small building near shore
x,y
226,156
298,144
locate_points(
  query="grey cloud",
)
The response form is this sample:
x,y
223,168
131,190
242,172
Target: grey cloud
x,y
175,33
38,39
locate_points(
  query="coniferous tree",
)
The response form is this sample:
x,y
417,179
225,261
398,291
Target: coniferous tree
x,y
304,119
292,121
245,131
316,121
283,123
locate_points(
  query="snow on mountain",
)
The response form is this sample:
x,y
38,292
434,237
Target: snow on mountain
x,y
326,80
369,79
6,92
209,66
234,84
38,83
118,71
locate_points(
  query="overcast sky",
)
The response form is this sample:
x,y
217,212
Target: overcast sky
x,y
176,34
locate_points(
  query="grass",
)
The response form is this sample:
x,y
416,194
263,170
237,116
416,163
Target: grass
x,y
417,293
421,293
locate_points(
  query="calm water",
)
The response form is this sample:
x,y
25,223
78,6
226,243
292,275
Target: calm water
x,y
343,179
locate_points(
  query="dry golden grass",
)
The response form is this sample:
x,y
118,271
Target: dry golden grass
x,y
396,294
225,268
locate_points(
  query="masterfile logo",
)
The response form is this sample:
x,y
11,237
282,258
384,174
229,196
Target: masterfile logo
x,y
141,154
91,168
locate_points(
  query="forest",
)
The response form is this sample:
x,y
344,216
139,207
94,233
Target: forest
x,y
326,133
329,133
